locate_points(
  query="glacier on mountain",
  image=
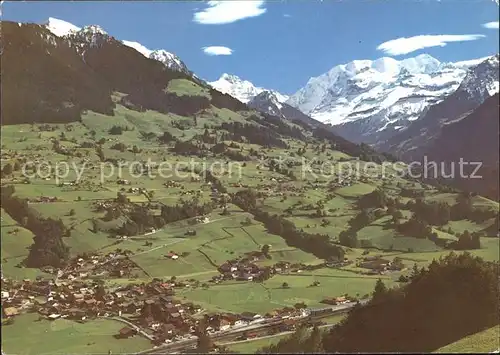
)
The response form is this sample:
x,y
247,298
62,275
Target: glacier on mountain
x,y
365,97
364,88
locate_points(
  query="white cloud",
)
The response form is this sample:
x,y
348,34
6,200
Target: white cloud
x,y
217,50
287,15
405,45
491,25
223,12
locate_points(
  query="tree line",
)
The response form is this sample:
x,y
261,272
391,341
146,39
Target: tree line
x,y
48,248
316,244
455,296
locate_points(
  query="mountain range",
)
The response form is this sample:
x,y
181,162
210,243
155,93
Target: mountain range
x,y
378,102
480,83
368,100
89,70
371,101
240,166
63,29
398,107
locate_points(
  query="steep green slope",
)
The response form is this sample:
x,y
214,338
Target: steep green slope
x,y
486,341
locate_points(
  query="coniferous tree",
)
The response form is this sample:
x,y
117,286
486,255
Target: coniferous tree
x,y
380,290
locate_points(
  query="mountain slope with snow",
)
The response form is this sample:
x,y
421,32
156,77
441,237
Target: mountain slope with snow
x,y
371,100
170,60
480,83
240,89
63,28
59,27
269,103
473,139
138,47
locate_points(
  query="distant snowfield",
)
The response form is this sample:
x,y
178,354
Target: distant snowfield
x,y
384,87
243,90
60,28
138,47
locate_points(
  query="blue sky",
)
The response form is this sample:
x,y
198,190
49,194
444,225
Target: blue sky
x,y
281,44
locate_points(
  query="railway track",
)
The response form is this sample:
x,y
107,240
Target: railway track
x,y
263,330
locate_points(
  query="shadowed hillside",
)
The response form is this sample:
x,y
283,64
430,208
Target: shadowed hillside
x,y
44,79
455,297
474,139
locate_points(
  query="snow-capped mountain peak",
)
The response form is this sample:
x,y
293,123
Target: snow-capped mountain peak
x,y
242,90
279,96
421,64
271,97
370,96
138,47
170,60
482,80
95,34
267,102
469,63
93,29
91,35
230,78
60,28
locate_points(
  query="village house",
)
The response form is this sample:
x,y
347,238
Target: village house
x,y
126,332
290,324
376,264
169,329
10,311
244,277
172,256
224,324
46,199
250,316
202,219
190,233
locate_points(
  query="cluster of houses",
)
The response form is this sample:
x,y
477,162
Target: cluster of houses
x,y
337,300
197,193
168,326
83,299
173,184
43,199
103,205
378,265
115,264
246,269
135,190
344,182
148,308
280,188
238,270
202,219
69,183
